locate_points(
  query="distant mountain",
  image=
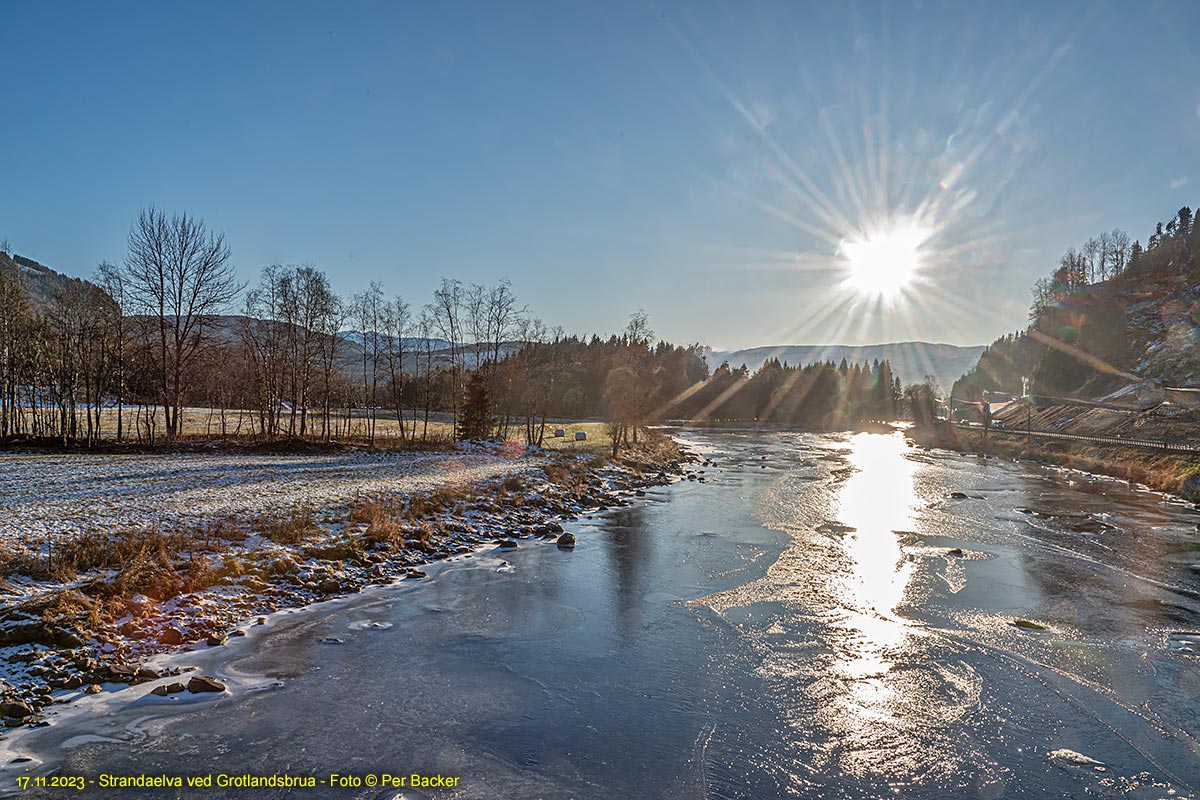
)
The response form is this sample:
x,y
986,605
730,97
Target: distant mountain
x,y
409,342
38,281
227,328
911,361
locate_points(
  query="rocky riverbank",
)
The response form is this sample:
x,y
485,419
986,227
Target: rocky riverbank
x,y
79,612
1174,473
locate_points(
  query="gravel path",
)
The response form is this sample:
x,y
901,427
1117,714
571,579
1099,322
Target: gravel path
x,y
62,494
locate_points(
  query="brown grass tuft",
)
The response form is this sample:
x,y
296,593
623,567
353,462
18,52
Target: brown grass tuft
x,y
71,607
569,474
290,527
384,525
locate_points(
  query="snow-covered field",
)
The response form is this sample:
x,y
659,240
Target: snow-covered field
x,y
52,495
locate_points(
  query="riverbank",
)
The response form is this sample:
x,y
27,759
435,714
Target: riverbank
x,y
824,615
146,555
1174,473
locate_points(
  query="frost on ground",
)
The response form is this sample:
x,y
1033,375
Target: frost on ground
x,y
51,495
109,559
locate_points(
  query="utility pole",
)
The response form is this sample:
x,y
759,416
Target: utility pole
x,y
986,408
1028,415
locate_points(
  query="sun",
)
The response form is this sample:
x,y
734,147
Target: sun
x,y
884,263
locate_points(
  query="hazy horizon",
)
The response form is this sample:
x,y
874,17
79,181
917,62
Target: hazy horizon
x,y
702,162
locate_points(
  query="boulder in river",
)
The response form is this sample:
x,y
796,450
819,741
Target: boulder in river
x,y
202,683
120,672
15,709
507,544
164,689
566,540
1029,625
171,636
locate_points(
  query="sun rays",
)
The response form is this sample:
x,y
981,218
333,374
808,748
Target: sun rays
x,y
888,192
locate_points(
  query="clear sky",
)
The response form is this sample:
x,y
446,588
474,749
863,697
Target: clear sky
x,y
699,160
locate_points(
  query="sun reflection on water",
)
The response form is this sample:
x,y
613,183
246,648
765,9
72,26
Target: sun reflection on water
x,y
877,500
855,681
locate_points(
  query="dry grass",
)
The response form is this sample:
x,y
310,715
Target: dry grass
x,y
202,424
1165,472
448,498
112,567
421,536
397,525
71,607
384,522
291,527
569,475
599,440
344,548
513,483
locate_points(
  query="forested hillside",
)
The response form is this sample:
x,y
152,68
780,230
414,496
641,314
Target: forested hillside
x,y
1111,314
38,282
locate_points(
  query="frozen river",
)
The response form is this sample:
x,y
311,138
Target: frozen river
x,y
826,616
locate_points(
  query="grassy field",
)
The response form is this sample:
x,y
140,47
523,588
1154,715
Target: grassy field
x,y
597,433
203,423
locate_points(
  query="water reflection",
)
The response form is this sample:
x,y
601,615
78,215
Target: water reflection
x,y
629,548
877,500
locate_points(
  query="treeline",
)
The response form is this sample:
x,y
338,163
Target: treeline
x,y
1110,256
149,345
57,365
1095,315
822,395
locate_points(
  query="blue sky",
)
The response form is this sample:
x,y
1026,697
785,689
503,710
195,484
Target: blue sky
x,y
698,160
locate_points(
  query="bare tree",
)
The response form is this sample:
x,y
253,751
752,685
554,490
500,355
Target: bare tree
x,y
1118,251
425,326
178,272
330,321
446,316
397,322
313,298
263,336
369,306
111,279
1090,256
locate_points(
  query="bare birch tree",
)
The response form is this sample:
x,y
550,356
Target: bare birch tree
x,y
177,271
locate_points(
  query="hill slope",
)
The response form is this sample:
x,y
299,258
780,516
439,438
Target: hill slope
x,y
1137,331
39,282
